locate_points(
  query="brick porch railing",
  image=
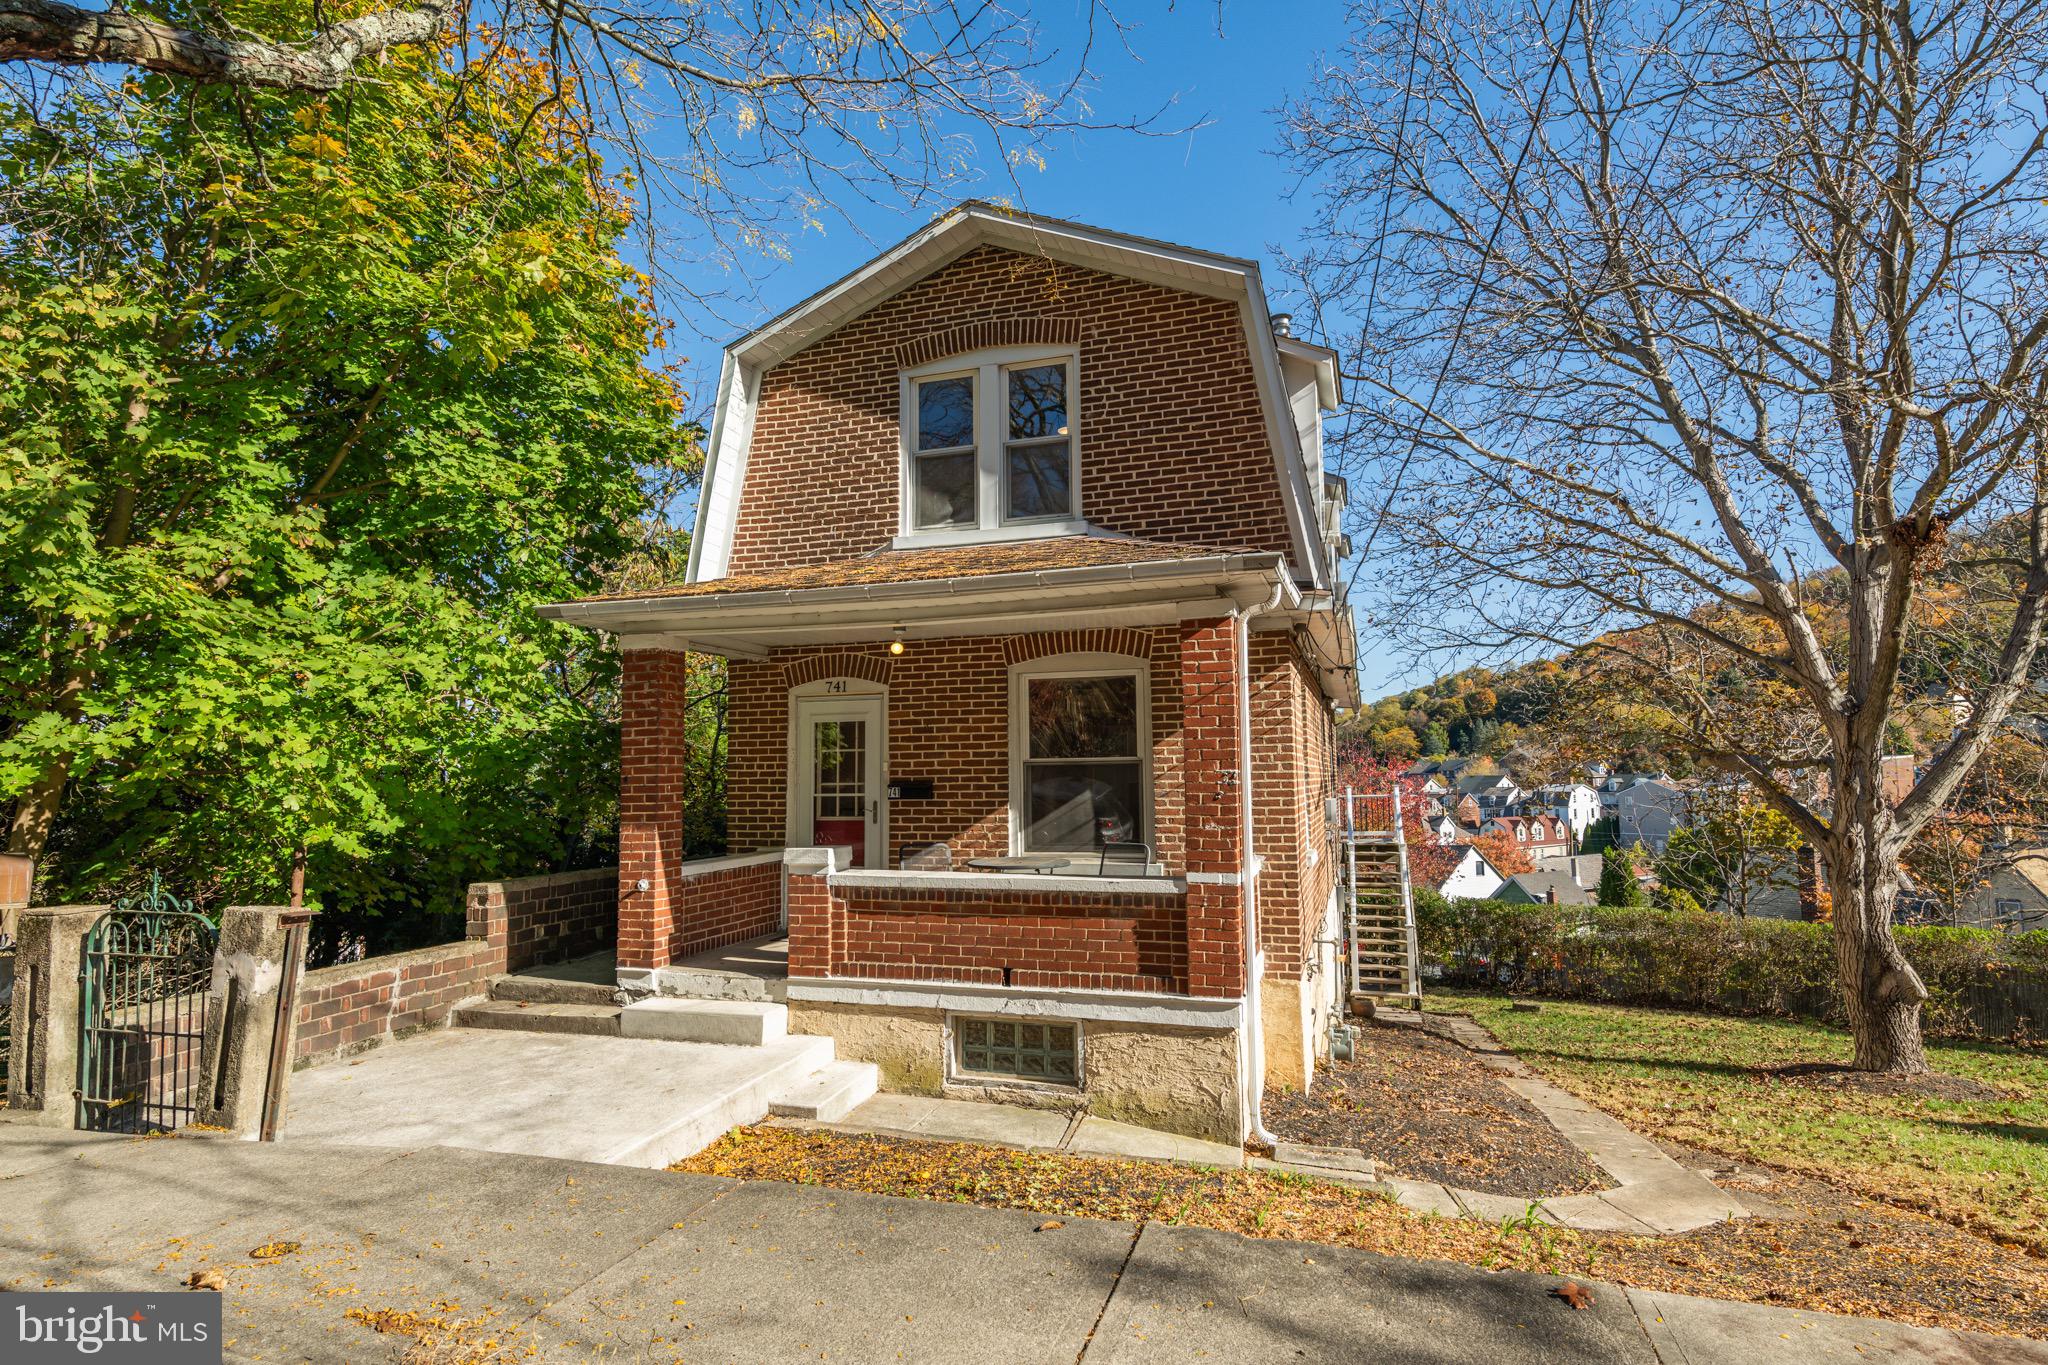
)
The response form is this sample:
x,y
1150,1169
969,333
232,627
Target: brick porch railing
x,y
939,927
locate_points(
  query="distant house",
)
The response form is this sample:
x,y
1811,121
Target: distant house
x,y
1444,828
1647,813
1575,803
1610,787
1571,880
1495,793
1541,836
2012,899
1472,876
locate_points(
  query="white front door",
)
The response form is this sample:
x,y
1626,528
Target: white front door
x,y
836,789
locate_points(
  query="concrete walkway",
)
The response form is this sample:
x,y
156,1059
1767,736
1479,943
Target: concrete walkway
x,y
1653,1193
563,1261
630,1101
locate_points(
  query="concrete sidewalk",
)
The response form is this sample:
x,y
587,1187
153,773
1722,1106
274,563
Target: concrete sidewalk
x,y
575,1262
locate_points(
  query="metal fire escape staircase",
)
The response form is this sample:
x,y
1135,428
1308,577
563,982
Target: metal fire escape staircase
x,y
1385,956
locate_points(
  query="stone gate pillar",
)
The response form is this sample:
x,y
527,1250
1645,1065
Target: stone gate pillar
x,y
42,1062
253,999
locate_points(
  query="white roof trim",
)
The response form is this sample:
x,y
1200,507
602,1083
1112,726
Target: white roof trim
x,y
1329,386
939,244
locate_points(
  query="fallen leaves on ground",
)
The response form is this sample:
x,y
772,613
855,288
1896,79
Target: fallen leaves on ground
x,y
1427,1109
270,1251
1909,1268
1575,1294
207,1279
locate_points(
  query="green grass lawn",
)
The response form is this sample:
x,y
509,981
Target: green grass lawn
x,y
1701,1079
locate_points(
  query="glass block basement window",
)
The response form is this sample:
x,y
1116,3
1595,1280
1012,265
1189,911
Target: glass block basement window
x,y
1018,1050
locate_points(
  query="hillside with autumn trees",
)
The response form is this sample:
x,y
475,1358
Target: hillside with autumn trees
x,y
1551,716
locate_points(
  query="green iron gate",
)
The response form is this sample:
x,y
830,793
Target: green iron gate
x,y
142,1015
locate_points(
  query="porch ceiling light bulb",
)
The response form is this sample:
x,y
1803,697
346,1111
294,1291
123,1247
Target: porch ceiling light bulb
x,y
896,645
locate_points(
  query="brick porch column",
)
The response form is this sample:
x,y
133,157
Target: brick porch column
x,y
813,917
1211,755
652,712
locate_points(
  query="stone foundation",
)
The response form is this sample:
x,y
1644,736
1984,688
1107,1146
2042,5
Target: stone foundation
x,y
1178,1080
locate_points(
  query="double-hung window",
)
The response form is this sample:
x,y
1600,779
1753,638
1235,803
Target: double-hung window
x,y
991,446
1079,750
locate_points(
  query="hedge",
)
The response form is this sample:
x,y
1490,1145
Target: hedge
x,y
1980,984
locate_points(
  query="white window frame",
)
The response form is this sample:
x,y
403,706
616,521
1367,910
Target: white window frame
x,y
1079,666
988,370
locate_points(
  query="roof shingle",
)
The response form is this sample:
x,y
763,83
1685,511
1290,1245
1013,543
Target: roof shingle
x,y
953,561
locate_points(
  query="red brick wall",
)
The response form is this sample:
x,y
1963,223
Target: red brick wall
x,y
949,707
653,709
1174,445
1291,739
545,919
1213,797
720,905
356,1005
1055,939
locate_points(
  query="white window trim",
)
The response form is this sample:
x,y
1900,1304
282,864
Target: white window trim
x,y
1080,666
957,1075
991,445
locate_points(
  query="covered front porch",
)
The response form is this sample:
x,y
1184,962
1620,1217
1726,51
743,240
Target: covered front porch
x,y
893,745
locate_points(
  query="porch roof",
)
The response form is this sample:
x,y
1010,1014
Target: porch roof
x,y
952,561
929,594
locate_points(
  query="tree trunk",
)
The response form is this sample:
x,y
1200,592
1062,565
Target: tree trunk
x,y
35,810
1881,990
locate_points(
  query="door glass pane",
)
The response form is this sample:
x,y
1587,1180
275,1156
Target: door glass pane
x,y
1082,805
1040,481
945,490
1083,717
839,780
945,413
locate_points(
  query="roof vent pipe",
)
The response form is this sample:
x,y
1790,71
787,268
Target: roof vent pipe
x,y
1283,324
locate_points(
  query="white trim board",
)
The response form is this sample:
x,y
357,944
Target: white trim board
x,y
1176,1011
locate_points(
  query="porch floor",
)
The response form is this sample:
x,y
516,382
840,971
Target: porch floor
x,y
599,968
756,970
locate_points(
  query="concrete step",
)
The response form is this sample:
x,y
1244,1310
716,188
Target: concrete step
x,y
829,1094
691,1127
745,1023
711,983
597,1020
551,991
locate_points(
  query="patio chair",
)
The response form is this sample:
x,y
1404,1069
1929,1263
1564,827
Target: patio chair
x,y
924,857
1125,860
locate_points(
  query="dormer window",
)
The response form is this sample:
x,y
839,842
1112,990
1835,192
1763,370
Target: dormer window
x,y
990,447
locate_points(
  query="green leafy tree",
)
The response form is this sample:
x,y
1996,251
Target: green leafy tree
x,y
1734,852
311,400
1436,740
1618,884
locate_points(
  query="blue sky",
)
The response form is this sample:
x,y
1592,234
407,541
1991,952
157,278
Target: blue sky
x,y
1218,186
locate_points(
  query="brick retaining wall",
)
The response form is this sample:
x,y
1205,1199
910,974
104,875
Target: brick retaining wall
x,y
353,1006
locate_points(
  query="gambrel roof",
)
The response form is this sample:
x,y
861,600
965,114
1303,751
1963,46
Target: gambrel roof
x,y
946,240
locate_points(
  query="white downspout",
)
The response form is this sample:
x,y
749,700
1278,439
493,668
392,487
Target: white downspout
x,y
1256,1026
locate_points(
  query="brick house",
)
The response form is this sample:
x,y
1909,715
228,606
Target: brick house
x,y
1018,544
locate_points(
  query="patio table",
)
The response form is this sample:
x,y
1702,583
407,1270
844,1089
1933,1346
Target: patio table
x,y
1022,862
